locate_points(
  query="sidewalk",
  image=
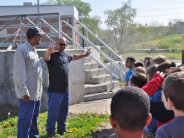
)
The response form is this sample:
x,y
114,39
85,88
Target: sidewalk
x,y
99,106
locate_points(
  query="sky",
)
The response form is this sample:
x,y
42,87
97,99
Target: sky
x,y
148,11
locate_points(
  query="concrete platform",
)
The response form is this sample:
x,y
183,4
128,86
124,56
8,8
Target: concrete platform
x,y
98,106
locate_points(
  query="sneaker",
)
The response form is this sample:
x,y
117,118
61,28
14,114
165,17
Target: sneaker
x,y
66,131
53,134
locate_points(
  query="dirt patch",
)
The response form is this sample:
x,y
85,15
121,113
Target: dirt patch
x,y
105,132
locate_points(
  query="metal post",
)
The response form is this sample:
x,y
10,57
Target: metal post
x,y
73,37
59,26
87,38
182,49
21,30
38,21
83,35
111,75
121,74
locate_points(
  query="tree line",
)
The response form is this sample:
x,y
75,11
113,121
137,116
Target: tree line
x,y
122,31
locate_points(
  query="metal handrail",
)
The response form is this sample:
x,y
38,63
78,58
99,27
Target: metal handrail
x,y
51,26
89,55
101,41
101,52
14,33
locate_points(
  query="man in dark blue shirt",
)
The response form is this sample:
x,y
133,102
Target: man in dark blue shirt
x,y
58,91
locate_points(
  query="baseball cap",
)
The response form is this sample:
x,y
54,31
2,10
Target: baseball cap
x,y
32,31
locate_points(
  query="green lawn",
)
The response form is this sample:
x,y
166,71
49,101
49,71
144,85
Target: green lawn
x,y
140,56
83,125
174,41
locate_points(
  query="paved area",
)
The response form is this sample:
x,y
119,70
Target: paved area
x,y
99,106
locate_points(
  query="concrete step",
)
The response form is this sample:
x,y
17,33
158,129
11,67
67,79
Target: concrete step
x,y
87,59
90,65
99,96
72,47
99,88
98,79
94,72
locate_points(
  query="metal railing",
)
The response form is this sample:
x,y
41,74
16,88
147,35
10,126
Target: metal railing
x,y
101,52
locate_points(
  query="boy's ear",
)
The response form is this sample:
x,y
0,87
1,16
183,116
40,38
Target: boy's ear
x,y
170,103
149,120
113,123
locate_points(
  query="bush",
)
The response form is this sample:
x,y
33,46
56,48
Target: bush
x,y
163,45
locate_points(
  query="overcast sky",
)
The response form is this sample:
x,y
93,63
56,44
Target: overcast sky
x,y
147,10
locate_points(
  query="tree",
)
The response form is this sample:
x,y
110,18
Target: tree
x,y
119,21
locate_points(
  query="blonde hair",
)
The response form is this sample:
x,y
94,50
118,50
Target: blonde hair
x,y
158,59
140,70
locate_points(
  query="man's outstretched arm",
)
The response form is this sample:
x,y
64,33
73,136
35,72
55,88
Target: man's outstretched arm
x,y
76,57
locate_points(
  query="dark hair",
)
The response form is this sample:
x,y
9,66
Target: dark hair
x,y
130,108
177,69
138,64
166,65
151,71
173,89
139,79
148,64
132,59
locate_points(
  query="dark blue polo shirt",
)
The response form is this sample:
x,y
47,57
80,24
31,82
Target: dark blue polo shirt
x,y
58,72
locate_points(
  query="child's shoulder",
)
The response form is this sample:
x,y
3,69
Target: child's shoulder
x,y
173,129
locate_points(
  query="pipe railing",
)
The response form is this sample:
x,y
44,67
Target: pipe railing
x,y
89,55
101,52
101,41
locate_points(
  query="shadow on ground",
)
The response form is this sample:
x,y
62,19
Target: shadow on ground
x,y
105,133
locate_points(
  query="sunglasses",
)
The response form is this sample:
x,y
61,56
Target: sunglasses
x,y
61,44
39,36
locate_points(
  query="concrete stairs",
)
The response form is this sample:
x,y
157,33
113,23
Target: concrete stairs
x,y
97,83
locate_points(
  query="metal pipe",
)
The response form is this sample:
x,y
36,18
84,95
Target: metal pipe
x,y
89,55
101,52
102,42
111,75
9,23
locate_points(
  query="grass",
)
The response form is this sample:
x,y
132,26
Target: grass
x,y
174,41
82,125
140,56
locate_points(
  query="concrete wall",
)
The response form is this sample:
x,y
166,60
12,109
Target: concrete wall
x,y
7,91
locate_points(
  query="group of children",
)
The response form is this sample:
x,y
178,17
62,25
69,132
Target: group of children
x,y
153,104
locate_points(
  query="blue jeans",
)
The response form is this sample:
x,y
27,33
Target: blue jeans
x,y
58,109
27,121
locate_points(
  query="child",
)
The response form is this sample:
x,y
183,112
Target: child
x,y
138,80
147,65
130,112
158,59
146,59
129,62
136,64
172,96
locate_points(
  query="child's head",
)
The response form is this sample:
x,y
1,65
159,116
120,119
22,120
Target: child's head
x,y
165,65
140,70
138,80
129,62
151,72
173,91
146,59
130,111
147,65
137,64
158,59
